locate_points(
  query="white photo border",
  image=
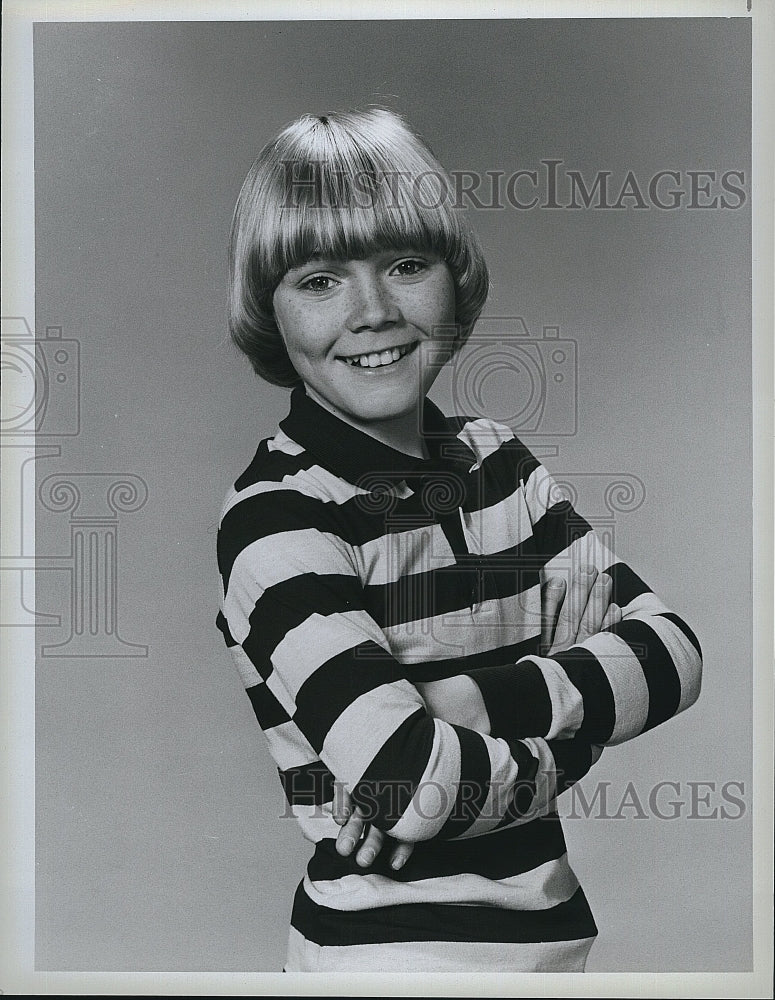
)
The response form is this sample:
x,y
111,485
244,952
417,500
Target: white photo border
x,y
17,974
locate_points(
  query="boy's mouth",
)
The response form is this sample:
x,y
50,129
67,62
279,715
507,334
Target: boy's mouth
x,y
379,359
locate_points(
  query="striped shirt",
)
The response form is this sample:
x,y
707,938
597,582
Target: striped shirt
x,y
352,574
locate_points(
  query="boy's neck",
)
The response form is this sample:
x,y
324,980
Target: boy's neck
x,y
402,433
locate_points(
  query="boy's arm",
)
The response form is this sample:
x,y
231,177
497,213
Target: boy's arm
x,y
569,615
612,686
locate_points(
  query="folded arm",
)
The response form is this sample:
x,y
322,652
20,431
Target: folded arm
x,y
631,675
294,604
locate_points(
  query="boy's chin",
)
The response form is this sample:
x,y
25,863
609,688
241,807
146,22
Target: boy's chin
x,y
383,414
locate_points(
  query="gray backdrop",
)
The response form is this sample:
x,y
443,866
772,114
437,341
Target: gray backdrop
x,y
160,842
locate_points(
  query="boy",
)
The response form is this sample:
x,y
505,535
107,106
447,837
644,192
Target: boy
x,y
386,574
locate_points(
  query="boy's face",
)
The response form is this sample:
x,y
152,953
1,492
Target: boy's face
x,y
359,332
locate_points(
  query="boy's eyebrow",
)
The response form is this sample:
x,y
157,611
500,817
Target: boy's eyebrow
x,y
313,259
316,259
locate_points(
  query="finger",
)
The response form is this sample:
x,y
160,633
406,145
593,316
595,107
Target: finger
x,y
573,607
350,833
401,854
370,847
597,605
341,805
552,593
612,617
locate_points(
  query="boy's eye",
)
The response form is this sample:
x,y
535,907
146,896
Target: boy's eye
x,y
409,267
318,283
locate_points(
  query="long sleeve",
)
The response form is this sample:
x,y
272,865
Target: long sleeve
x,y
618,683
295,614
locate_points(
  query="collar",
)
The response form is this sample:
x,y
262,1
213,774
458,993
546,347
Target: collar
x,y
359,458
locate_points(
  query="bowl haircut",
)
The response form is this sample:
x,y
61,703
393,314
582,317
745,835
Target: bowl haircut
x,y
344,186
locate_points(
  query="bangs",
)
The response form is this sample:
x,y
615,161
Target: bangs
x,y
346,197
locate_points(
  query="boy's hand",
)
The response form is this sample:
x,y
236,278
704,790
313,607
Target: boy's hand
x,y
353,826
569,616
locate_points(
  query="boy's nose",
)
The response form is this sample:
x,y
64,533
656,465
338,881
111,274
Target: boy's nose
x,y
372,306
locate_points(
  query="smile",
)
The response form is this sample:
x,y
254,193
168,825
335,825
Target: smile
x,y
379,359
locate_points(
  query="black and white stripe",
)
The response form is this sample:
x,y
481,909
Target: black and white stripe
x,y
341,592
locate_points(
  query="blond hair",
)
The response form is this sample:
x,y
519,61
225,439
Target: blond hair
x,y
342,185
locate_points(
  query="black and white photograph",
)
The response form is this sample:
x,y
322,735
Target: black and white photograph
x,y
387,499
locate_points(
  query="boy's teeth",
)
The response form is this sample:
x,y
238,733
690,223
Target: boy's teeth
x,y
378,359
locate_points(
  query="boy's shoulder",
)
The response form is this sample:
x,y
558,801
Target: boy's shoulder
x,y
285,477
275,459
